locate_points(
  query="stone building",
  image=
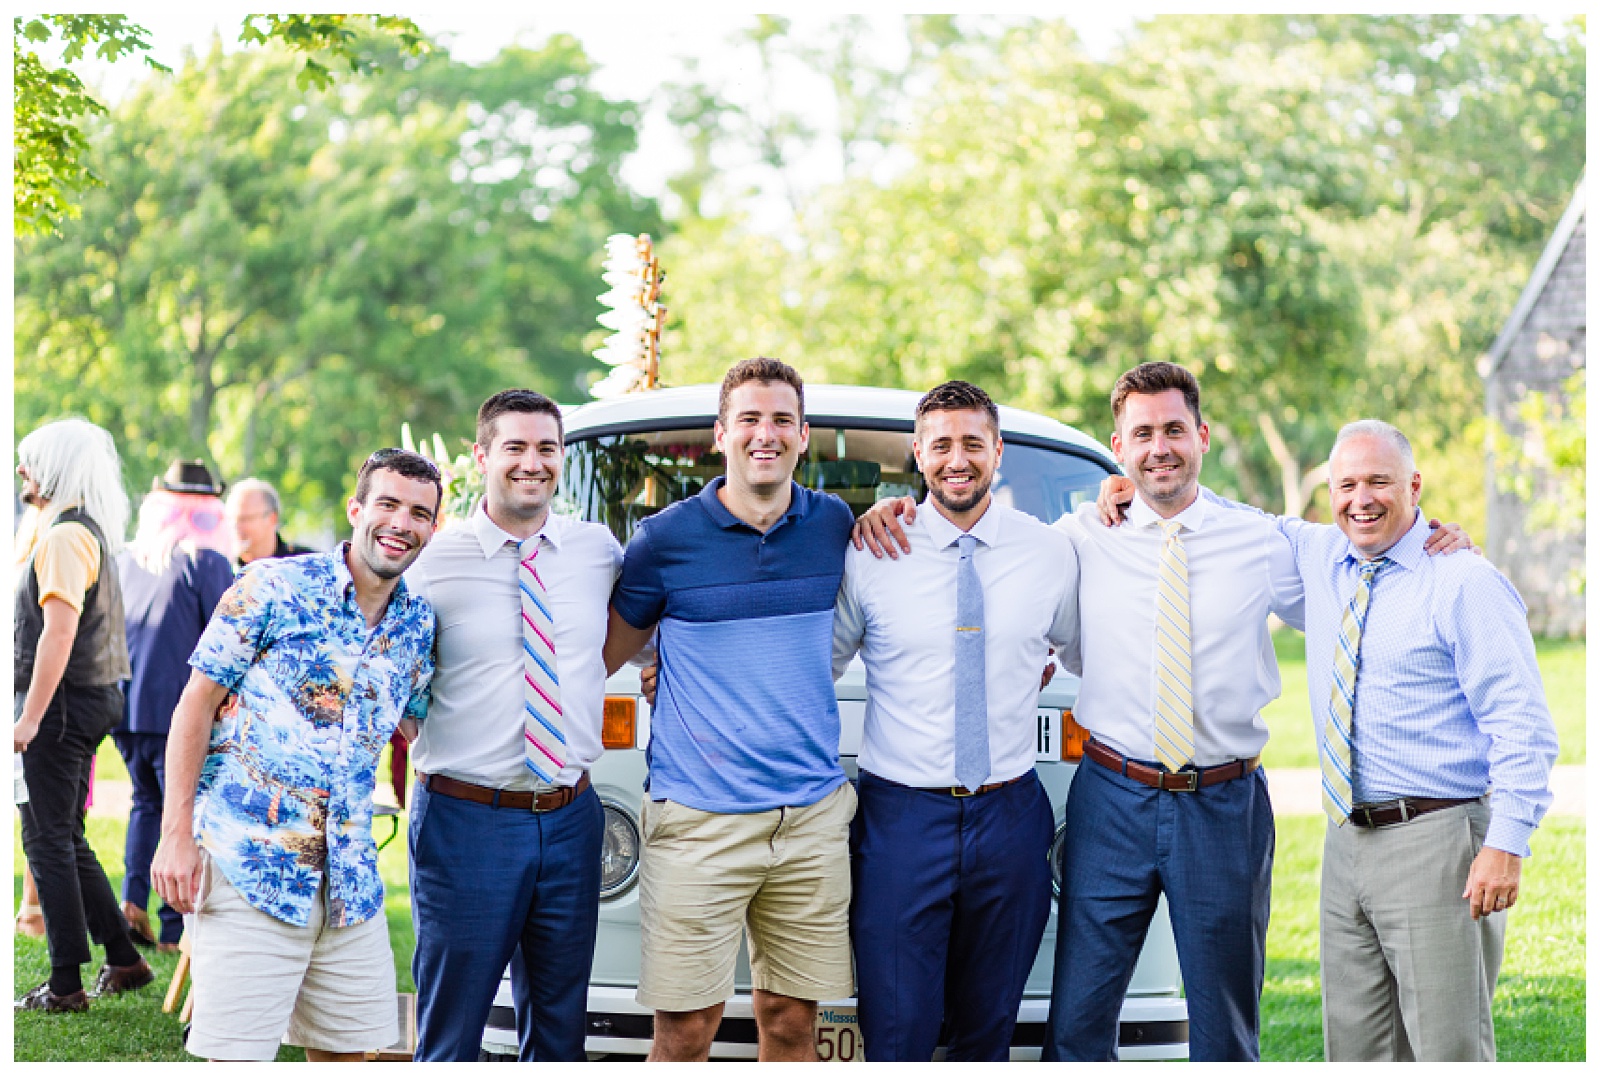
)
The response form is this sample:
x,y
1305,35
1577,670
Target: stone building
x,y
1540,347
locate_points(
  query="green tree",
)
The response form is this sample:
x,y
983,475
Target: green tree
x,y
1265,200
276,278
49,105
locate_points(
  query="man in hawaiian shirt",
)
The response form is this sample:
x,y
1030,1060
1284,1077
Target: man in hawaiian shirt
x,y
299,680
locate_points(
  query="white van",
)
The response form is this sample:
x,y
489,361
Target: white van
x,y
630,457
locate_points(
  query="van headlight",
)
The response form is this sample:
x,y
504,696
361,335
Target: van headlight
x,y
619,851
1055,858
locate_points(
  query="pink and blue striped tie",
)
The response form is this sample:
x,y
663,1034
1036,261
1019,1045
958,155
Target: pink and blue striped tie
x,y
544,745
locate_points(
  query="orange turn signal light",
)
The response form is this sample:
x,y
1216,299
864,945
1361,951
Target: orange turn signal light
x,y
1074,737
618,723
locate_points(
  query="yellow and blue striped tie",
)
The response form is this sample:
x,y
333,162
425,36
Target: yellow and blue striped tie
x,y
1337,770
545,745
1174,697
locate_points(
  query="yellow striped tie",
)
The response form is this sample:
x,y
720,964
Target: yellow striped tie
x,y
1174,701
1337,753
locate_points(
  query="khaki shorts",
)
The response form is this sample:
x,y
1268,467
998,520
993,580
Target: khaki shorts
x,y
259,981
781,876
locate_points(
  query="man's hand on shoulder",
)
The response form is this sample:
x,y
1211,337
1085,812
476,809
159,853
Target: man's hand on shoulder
x,y
877,526
1116,495
1494,882
1445,539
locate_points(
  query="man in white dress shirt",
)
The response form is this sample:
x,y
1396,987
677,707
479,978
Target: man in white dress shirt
x,y
505,829
950,844
1171,799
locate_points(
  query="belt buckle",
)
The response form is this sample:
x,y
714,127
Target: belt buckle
x,y
1191,779
962,793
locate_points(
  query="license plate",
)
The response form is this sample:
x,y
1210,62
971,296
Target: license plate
x,y
1050,735
838,1034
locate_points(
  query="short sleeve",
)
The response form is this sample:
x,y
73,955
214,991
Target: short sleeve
x,y
240,629
640,597
67,563
422,684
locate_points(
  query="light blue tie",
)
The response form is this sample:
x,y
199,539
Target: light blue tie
x,y
972,702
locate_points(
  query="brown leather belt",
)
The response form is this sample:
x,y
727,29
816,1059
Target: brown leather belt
x,y
1376,815
983,789
539,802
1161,779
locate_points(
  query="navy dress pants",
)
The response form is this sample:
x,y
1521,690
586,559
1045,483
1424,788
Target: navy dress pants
x,y
1210,851
146,757
484,883
950,896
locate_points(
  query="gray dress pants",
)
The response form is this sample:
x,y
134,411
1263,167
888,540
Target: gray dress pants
x,y
1407,975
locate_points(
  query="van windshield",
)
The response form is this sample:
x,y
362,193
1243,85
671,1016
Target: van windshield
x,y
620,480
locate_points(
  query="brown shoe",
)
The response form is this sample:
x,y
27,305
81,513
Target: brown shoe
x,y
116,980
168,947
42,999
138,924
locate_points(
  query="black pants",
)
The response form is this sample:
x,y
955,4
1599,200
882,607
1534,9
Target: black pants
x,y
73,891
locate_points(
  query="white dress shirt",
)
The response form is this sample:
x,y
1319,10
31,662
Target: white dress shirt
x,y
474,728
901,615
1240,568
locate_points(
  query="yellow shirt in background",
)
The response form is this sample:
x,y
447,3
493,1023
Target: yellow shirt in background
x,y
66,559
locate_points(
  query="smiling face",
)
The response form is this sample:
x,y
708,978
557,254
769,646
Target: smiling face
x,y
958,451
522,467
762,435
389,529
1160,443
1374,494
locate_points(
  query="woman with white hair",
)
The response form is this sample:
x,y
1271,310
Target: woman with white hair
x,y
71,652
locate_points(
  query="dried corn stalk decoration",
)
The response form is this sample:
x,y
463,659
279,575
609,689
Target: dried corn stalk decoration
x,y
634,314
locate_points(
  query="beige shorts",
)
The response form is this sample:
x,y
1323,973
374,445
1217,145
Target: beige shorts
x,y
259,981
780,876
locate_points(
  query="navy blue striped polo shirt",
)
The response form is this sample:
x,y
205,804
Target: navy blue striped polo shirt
x,y
745,717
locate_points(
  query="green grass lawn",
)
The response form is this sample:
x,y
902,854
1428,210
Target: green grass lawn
x,y
1539,1004
1289,718
132,1027
1539,1007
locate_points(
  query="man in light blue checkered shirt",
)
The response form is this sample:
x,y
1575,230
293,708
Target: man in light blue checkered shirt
x,y
1451,745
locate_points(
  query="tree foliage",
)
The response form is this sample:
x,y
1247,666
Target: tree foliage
x,y
51,104
275,279
1323,218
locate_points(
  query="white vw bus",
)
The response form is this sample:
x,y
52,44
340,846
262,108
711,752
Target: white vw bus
x,y
628,458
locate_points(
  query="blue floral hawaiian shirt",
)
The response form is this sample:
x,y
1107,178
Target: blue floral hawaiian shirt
x,y
285,793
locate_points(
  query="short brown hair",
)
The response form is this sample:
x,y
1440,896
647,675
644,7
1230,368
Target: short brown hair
x,y
519,401
759,369
958,396
1155,377
405,463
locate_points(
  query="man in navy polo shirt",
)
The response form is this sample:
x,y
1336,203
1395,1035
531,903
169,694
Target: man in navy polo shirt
x,y
747,820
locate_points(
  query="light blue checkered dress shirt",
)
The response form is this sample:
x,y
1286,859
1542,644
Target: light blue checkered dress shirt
x,y
1449,703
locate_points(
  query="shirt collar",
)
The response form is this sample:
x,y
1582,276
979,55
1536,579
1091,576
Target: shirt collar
x,y
725,517
346,584
1193,516
491,537
945,532
1407,551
